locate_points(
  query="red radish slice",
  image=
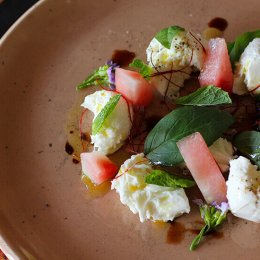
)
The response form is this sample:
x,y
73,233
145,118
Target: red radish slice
x,y
217,67
203,168
98,167
133,87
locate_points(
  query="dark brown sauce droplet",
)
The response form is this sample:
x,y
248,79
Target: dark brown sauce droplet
x,y
194,231
85,137
123,57
76,161
69,149
176,233
219,23
216,234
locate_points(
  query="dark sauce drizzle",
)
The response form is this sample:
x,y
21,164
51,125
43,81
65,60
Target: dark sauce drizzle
x,y
123,57
70,151
176,233
219,23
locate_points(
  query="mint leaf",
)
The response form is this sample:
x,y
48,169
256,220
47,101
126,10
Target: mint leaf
x,y
205,96
99,76
104,113
166,35
162,178
213,218
144,69
230,46
248,143
236,48
160,145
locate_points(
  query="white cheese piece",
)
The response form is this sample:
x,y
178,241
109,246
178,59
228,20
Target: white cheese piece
x,y
249,66
222,151
117,126
243,189
185,52
149,201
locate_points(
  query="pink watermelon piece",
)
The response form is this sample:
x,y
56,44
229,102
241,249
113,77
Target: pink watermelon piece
x,y
217,68
203,168
98,167
133,87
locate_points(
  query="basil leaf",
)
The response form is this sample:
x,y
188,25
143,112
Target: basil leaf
x,y
205,96
162,178
166,35
99,76
144,69
213,218
104,113
248,143
230,46
160,145
238,46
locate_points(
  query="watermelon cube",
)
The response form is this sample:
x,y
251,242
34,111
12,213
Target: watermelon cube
x,y
217,68
203,168
98,167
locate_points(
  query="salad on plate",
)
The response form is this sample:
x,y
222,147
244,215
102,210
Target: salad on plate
x,y
187,117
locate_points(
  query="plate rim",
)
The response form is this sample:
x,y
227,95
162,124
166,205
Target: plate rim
x,y
13,27
5,246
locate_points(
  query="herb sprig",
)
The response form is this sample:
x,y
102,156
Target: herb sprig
x,y
213,216
104,113
248,143
160,145
144,69
166,35
205,96
103,76
165,179
236,48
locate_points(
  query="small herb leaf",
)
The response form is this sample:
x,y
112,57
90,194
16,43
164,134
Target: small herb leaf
x,y
160,145
104,113
166,35
144,69
99,76
205,96
162,178
230,46
237,47
213,218
248,143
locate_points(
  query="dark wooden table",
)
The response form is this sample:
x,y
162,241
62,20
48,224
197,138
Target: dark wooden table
x,y
11,10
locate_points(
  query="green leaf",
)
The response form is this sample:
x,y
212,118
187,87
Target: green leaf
x,y
104,113
230,46
144,69
97,77
162,178
248,143
166,35
238,46
205,96
160,144
213,218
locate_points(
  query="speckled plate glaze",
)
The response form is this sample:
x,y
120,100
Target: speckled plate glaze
x,y
45,211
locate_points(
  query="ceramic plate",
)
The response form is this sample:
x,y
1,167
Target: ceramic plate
x,y
46,211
